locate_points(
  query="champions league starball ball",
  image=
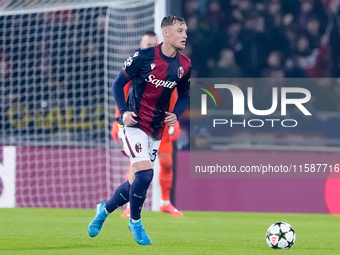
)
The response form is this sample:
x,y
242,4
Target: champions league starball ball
x,y
280,235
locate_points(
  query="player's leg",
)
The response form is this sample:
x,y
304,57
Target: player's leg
x,y
165,181
165,162
165,177
119,198
121,137
140,177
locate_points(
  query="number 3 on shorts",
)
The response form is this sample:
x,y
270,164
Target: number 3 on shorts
x,y
153,155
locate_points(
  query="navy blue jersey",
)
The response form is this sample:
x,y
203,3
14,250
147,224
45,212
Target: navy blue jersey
x,y
154,77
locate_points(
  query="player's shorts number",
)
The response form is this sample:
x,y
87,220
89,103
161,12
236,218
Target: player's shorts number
x,y
153,155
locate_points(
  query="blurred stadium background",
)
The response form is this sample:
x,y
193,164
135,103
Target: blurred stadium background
x,y
59,58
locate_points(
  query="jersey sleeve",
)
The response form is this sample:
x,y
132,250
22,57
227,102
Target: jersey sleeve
x,y
133,64
126,93
183,86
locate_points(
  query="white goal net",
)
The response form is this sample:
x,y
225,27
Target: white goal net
x,y
58,60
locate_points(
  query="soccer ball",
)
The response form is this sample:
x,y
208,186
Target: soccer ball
x,y
280,235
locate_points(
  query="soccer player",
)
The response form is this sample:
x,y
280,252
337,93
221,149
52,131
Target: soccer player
x,y
149,39
154,73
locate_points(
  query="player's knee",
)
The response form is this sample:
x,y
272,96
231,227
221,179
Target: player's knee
x,y
144,178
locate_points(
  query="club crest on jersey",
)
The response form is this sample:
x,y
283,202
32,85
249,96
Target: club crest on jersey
x,y
166,84
180,72
138,147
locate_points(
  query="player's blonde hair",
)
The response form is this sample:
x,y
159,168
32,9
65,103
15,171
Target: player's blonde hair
x,y
170,20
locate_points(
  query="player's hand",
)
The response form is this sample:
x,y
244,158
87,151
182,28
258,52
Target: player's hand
x,y
114,131
176,132
170,119
128,118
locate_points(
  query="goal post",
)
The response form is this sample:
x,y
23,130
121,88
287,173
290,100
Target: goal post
x,y
58,59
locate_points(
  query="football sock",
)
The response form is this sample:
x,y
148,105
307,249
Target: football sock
x,y
164,202
107,213
134,221
119,198
165,176
138,191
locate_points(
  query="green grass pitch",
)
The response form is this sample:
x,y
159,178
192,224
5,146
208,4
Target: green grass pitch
x,y
64,231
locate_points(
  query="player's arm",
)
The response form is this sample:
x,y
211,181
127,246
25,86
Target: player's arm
x,y
118,93
126,93
130,70
183,89
115,127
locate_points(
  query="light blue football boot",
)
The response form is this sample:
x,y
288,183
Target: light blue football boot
x,y
96,224
139,233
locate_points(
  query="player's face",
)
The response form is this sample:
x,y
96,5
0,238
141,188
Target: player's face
x,y
177,35
148,41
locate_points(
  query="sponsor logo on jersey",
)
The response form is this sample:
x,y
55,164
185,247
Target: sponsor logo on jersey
x,y
138,147
167,84
152,66
180,72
